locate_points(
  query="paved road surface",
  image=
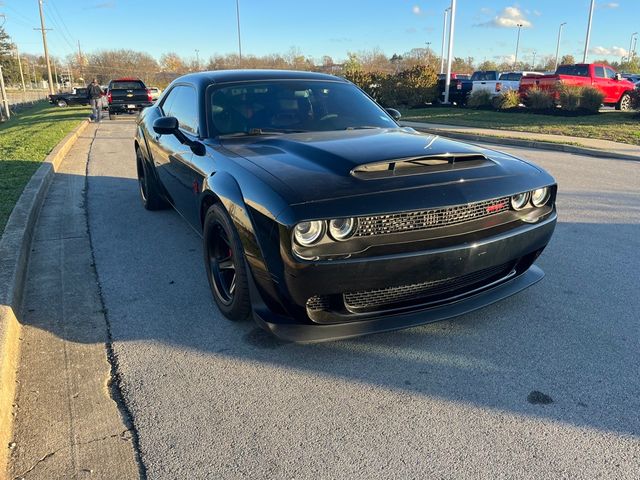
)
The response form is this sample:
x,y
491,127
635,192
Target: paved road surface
x,y
213,399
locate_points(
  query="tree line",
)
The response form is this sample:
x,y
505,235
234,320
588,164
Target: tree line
x,y
107,64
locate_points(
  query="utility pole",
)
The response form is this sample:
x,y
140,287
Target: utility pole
x,y
238,18
81,62
444,40
24,89
35,79
55,72
558,44
46,50
452,24
5,100
533,64
633,48
586,42
515,61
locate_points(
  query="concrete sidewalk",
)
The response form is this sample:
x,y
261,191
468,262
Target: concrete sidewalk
x,y
586,146
67,423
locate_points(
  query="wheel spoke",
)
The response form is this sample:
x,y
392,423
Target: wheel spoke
x,y
232,287
226,264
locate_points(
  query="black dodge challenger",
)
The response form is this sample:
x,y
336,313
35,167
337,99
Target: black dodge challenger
x,y
322,218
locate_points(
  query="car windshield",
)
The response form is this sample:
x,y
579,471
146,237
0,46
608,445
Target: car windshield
x,y
286,106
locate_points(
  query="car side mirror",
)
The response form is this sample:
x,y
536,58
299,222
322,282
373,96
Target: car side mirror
x,y
166,126
395,114
170,126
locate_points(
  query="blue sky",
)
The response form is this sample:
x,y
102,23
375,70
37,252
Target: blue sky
x,y
484,30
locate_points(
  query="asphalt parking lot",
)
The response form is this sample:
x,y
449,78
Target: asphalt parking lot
x,y
456,399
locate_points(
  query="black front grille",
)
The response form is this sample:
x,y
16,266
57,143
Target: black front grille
x,y
372,300
428,219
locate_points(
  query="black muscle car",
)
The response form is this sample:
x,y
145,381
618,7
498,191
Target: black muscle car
x,y
322,218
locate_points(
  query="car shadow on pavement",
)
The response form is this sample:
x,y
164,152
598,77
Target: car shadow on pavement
x,y
565,349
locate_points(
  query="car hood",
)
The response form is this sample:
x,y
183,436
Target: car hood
x,y
382,165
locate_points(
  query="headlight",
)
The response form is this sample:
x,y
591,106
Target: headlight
x,y
342,228
308,233
519,201
539,197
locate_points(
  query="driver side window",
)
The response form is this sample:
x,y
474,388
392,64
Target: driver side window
x,y
182,103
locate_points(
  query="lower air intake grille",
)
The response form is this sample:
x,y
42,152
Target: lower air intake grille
x,y
427,219
371,300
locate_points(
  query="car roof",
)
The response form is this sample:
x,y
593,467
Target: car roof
x,y
226,76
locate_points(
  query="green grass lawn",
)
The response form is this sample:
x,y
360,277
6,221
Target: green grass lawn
x,y
617,126
25,141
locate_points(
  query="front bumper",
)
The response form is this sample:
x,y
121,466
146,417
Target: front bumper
x,y
311,333
303,280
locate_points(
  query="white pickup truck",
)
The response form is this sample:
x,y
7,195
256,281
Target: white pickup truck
x,y
506,81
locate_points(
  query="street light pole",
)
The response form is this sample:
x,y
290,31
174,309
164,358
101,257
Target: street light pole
x,y
444,39
515,61
238,18
586,42
452,24
558,44
428,44
630,55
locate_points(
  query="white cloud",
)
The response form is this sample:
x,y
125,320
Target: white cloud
x,y
508,18
505,58
609,52
609,5
416,10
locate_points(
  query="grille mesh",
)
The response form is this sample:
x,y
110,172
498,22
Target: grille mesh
x,y
318,302
372,299
427,219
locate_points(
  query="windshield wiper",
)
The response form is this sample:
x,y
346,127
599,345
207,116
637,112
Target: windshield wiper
x,y
362,127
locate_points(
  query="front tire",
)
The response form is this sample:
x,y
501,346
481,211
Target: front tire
x,y
148,186
624,103
225,265
62,103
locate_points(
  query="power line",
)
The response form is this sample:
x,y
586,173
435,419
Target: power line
x,y
52,3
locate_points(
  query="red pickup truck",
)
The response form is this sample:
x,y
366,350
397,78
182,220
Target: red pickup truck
x,y
617,90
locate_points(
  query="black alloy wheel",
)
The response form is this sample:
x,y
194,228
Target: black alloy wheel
x,y
225,265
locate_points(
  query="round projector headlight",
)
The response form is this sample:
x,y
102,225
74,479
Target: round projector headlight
x,y
308,233
342,228
519,201
540,196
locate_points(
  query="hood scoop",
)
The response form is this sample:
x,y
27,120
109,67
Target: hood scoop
x,y
420,165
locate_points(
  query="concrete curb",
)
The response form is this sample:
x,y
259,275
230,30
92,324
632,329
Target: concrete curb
x,y
519,142
15,246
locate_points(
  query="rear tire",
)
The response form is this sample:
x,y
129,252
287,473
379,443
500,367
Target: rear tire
x,y
225,265
62,103
625,102
147,185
